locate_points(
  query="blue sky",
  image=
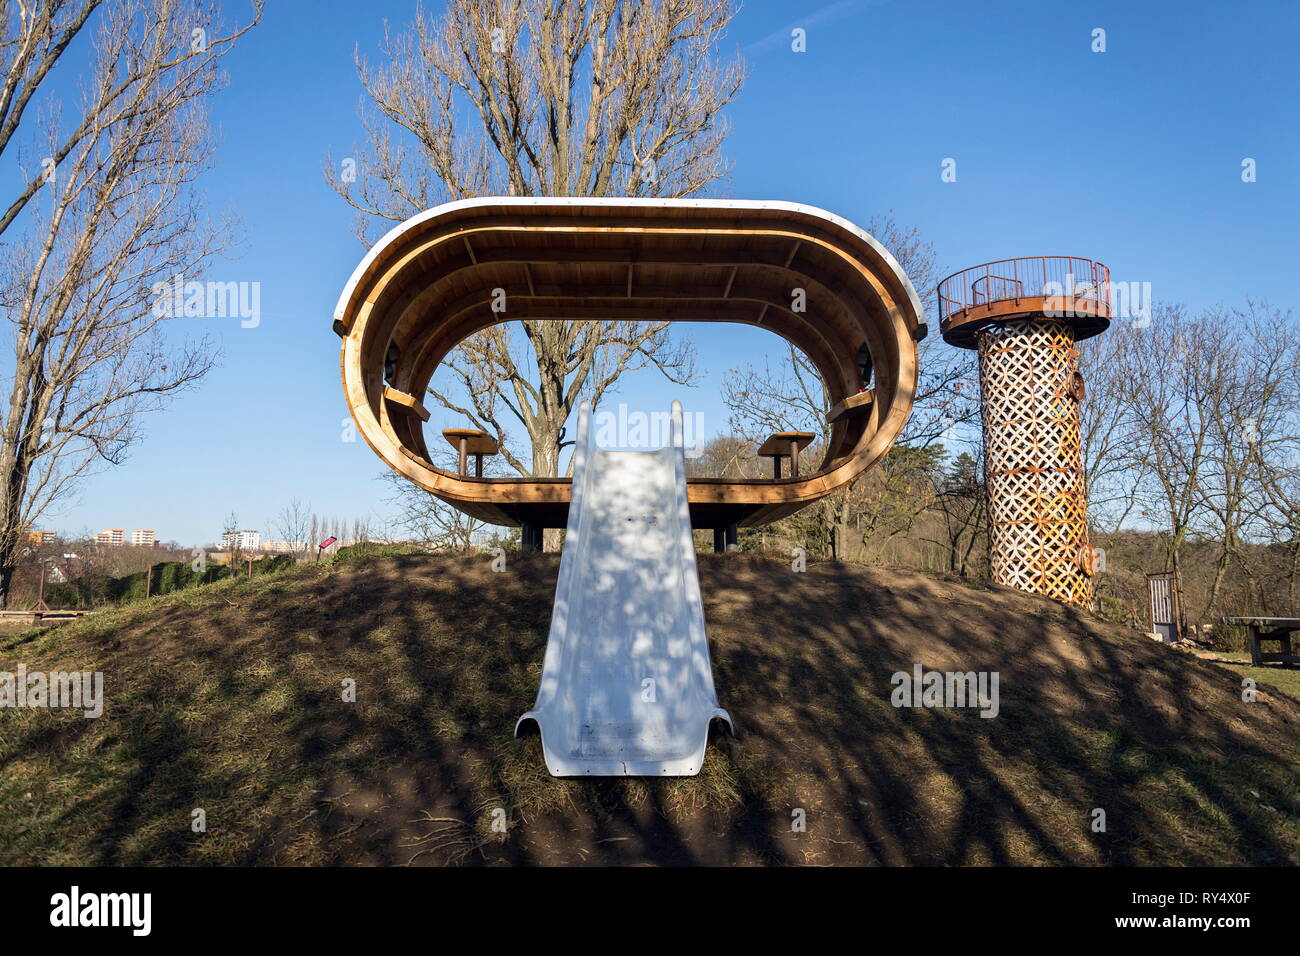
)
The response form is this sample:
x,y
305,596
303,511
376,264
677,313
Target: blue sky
x,y
1132,157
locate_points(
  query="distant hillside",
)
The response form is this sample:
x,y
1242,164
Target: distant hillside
x,y
227,698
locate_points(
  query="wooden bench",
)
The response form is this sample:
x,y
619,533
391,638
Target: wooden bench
x,y
783,445
853,405
406,404
1277,629
471,441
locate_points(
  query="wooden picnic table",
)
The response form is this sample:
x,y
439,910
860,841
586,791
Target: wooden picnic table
x,y
785,445
470,441
1277,629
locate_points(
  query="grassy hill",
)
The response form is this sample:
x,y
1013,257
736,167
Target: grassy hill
x,y
228,698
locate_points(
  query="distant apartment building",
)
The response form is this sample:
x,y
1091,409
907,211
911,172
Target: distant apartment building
x,y
284,546
243,540
116,537
41,537
145,539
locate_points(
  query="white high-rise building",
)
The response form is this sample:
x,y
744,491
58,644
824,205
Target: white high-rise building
x,y
244,540
144,538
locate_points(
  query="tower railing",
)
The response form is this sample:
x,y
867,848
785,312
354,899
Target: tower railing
x,y
1022,278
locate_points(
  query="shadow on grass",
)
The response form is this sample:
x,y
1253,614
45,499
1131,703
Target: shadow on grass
x,y
234,704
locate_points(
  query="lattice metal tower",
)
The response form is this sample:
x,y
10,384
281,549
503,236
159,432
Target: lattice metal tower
x,y
1024,316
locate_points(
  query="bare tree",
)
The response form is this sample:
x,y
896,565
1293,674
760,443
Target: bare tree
x,y
539,386
424,518
1193,423
111,210
33,37
231,539
725,456
792,396
1165,387
789,395
293,525
1280,484
1113,458
545,98
1251,408
960,502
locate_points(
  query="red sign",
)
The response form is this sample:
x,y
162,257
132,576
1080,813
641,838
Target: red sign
x,y
327,542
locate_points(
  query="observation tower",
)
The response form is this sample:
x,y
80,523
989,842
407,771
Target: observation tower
x,y
1024,317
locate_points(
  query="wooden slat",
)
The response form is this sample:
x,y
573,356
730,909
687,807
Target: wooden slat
x,y
854,404
406,403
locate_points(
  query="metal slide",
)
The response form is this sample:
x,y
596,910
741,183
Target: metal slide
x,y
627,687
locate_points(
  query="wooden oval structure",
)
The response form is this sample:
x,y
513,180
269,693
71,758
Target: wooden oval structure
x,y
432,282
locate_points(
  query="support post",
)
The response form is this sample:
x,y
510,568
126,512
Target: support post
x,y
732,536
530,537
40,601
719,540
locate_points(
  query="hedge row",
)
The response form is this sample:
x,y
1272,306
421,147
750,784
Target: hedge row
x,y
374,549
97,590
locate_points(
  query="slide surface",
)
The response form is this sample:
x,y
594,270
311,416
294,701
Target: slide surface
x,y
627,686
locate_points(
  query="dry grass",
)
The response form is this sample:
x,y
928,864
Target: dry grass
x,y
228,699
1274,676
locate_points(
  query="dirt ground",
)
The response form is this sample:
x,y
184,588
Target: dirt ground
x,y
228,701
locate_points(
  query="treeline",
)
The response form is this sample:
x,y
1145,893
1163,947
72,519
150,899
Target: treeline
x,y
296,522
1191,438
1191,448
1192,433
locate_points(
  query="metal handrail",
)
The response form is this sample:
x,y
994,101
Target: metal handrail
x,y
1029,278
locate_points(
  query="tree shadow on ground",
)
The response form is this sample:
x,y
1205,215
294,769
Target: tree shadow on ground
x,y
236,705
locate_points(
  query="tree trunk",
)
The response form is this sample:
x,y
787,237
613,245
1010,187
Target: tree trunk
x,y
1291,578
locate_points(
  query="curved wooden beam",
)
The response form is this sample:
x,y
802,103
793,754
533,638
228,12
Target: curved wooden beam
x,y
430,283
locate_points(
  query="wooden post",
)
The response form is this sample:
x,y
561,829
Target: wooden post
x,y
148,581
530,537
40,601
719,540
785,445
463,451
478,466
